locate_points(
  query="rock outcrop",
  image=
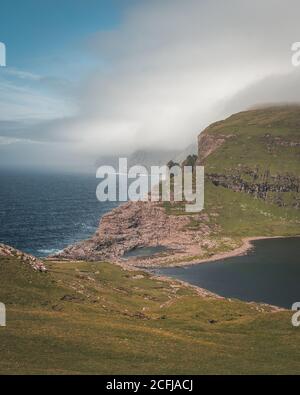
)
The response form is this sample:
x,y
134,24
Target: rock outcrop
x,y
142,224
254,152
264,186
35,263
208,144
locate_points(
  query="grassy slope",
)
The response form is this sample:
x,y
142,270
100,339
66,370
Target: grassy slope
x,y
238,214
234,216
116,323
248,145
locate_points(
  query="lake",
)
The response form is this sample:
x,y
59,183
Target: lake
x,y
144,251
269,273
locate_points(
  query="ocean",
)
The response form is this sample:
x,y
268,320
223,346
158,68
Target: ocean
x,y
42,213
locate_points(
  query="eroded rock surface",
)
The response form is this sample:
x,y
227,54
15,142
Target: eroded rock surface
x,y
28,259
208,144
142,224
262,185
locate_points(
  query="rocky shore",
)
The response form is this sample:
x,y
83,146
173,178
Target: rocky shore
x,y
187,239
146,224
261,173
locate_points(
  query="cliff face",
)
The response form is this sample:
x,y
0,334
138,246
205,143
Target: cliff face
x,y
252,172
256,152
207,144
282,190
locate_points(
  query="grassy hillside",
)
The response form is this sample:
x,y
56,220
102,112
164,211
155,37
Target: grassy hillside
x,y
93,318
97,318
252,168
267,139
256,152
252,179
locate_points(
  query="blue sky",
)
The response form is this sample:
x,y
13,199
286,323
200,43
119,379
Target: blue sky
x,y
37,32
93,78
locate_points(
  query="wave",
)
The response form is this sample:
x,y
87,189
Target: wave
x,y
49,251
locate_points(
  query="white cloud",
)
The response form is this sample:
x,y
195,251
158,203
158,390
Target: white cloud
x,y
22,74
172,63
22,97
171,68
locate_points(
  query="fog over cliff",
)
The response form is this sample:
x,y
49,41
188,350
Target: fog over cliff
x,y
164,73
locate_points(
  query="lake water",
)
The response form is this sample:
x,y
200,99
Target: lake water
x,y
144,251
269,273
43,213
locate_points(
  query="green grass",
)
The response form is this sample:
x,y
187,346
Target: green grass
x,y
236,215
240,215
233,216
264,140
95,318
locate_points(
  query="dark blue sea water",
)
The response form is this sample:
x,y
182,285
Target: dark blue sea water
x,y
43,213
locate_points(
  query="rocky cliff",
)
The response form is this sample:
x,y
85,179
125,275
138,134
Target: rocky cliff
x,y
143,224
252,163
256,152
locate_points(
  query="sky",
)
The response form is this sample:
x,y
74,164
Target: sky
x,y
92,78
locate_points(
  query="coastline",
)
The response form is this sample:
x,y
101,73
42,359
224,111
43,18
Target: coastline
x,y
135,225
246,246
241,250
203,292
127,227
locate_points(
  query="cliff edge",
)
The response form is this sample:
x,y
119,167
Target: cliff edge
x,y
252,184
